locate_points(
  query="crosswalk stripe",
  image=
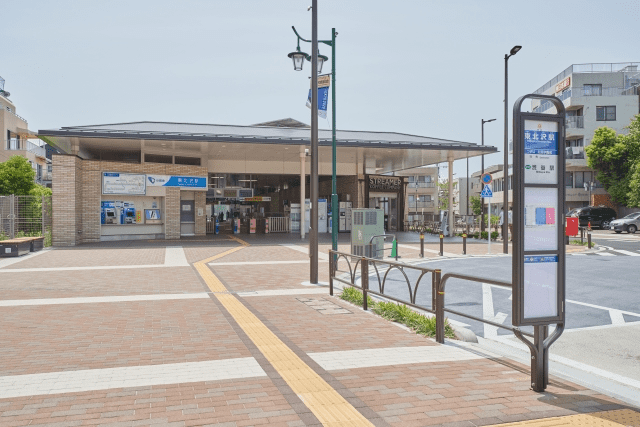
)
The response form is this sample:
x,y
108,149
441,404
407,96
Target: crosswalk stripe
x,y
604,254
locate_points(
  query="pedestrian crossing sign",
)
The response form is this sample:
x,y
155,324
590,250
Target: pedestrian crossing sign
x,y
486,192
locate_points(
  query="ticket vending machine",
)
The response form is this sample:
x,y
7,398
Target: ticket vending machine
x,y
128,215
344,216
109,216
108,213
295,217
322,215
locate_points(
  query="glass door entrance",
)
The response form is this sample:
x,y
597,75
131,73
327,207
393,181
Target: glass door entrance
x,y
389,204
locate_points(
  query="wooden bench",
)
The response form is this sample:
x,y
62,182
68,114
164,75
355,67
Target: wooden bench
x,y
20,246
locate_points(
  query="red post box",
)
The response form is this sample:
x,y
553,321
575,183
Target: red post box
x,y
572,227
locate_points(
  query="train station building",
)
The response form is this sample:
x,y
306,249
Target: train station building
x,y
160,180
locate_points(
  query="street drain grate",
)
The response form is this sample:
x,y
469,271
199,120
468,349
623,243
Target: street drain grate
x,y
323,306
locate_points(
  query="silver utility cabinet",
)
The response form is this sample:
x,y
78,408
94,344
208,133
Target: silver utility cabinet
x,y
367,223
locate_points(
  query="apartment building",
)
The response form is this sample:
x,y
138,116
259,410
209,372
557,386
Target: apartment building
x,y
16,138
421,195
594,95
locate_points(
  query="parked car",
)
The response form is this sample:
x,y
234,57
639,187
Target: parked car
x,y
629,223
598,216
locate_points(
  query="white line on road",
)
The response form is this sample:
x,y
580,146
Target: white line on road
x,y
93,300
604,254
622,251
174,257
129,376
487,311
97,267
213,264
431,251
278,292
616,317
603,308
305,250
7,262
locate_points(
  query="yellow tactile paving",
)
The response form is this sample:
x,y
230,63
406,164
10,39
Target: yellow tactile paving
x,y
621,417
327,405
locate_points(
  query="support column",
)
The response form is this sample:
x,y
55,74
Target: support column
x,y
451,218
303,179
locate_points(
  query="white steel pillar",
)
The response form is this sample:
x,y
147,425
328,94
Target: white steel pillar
x,y
303,179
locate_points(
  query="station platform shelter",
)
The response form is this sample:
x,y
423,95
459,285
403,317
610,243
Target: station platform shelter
x,y
159,180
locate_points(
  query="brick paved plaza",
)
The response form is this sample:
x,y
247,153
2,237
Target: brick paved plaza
x,y
224,333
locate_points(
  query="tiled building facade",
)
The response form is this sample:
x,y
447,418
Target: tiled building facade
x,y
77,196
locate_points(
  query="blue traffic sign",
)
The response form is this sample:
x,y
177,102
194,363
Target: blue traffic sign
x,y
486,192
486,178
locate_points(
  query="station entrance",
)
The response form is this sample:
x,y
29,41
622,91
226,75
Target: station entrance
x,y
270,203
244,178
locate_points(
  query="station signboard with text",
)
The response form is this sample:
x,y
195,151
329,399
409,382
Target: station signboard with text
x,y
538,241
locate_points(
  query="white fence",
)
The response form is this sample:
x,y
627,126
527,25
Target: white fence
x,y
279,224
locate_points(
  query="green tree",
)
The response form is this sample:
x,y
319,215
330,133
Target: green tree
x,y
443,195
634,187
16,176
614,157
40,190
476,205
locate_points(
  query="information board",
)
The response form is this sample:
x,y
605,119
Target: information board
x,y
540,286
538,205
540,219
540,152
191,182
123,183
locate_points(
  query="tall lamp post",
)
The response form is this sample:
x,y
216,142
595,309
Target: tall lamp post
x,y
505,222
588,186
298,58
482,198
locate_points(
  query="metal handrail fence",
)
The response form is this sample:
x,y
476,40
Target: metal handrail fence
x,y
438,287
539,348
384,237
441,302
364,263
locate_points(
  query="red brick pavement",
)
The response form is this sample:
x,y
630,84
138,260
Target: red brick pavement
x,y
96,283
104,335
99,257
101,335
246,402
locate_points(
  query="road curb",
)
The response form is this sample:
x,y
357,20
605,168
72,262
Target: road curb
x,y
464,334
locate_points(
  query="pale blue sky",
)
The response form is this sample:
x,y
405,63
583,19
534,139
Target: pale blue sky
x,y
430,68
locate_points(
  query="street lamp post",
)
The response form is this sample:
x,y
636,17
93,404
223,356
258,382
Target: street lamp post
x,y
482,226
505,224
588,186
415,182
298,59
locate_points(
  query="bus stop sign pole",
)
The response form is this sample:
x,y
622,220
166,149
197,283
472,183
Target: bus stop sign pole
x,y
538,243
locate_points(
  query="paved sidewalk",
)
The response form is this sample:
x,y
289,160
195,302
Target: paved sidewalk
x,y
225,333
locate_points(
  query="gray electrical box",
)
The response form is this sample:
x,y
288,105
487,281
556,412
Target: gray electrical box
x,y
367,223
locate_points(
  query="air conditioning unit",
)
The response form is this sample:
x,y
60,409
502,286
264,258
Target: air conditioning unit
x,y
366,224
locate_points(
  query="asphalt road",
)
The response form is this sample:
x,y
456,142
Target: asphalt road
x,y
617,242
602,289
